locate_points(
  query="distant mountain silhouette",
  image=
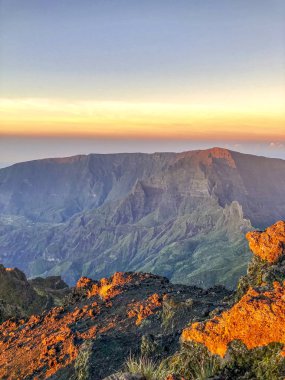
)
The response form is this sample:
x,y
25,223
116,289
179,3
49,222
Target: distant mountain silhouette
x,y
181,215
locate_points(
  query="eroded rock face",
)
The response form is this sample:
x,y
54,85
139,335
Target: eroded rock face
x,y
173,214
100,324
258,318
269,245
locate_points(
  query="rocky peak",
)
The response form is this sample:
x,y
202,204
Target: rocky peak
x,y
28,296
269,245
15,288
221,153
208,156
119,282
13,273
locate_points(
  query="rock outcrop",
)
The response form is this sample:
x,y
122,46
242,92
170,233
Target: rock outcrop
x,y
269,245
20,297
100,324
258,318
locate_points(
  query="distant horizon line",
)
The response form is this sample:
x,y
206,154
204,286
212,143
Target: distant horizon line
x,y
253,138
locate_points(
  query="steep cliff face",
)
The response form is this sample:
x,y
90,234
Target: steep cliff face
x,y
100,324
258,318
55,189
178,215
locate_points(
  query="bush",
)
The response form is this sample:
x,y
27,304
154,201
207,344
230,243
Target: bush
x,y
146,367
194,362
83,363
264,363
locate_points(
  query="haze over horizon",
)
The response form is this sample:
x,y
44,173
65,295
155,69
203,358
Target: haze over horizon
x,y
135,76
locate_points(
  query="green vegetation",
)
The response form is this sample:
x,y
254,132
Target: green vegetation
x,y
264,363
83,369
176,216
258,273
194,362
146,367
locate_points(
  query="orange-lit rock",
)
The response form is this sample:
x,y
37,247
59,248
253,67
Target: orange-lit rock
x,y
208,156
107,289
40,346
95,313
47,343
269,245
171,377
142,310
83,282
258,318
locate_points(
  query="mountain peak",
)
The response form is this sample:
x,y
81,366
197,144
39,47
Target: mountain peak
x,y
219,153
208,156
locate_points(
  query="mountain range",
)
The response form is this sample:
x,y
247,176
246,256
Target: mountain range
x,y
179,215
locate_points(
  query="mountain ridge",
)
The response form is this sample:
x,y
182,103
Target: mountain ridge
x,y
96,214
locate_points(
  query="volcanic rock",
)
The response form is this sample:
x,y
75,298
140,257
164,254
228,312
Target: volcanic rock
x,y
257,319
100,324
269,245
21,297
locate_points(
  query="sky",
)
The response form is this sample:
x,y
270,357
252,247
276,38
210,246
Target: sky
x,y
141,75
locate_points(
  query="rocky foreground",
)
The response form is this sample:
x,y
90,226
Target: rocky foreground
x,y
105,320
257,319
176,332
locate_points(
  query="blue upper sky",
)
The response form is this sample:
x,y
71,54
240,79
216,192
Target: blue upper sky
x,y
139,49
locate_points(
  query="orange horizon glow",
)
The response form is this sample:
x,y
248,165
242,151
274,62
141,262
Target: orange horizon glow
x,y
258,119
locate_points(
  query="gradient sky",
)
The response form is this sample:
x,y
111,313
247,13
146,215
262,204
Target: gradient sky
x,y
162,74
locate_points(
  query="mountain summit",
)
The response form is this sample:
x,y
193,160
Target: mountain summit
x,y
180,215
